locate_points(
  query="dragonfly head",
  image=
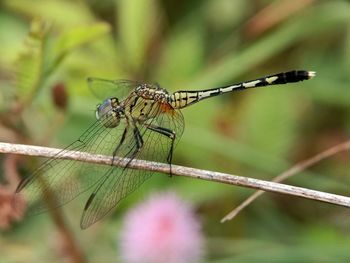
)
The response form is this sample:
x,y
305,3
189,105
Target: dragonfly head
x,y
108,111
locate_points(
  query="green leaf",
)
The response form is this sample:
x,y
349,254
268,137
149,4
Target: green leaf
x,y
30,60
268,121
182,54
75,38
78,36
62,14
137,23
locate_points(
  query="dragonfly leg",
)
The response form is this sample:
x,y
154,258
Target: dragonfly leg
x,y
139,141
168,133
139,144
120,144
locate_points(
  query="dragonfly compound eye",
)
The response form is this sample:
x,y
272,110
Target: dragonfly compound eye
x,y
106,113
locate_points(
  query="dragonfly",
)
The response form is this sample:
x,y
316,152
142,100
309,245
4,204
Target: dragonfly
x,y
142,121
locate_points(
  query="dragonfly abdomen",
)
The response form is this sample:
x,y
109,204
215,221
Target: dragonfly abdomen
x,y
181,99
283,78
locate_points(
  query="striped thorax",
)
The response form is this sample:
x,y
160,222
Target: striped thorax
x,y
152,93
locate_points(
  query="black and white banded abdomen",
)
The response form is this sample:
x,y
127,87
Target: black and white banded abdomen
x,y
181,99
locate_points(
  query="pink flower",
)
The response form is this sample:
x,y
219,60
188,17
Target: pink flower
x,y
161,229
8,212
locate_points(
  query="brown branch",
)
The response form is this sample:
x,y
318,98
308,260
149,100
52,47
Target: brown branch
x,y
274,14
301,166
71,248
178,170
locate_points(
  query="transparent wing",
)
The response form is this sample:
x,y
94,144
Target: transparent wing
x,y
120,182
103,88
66,179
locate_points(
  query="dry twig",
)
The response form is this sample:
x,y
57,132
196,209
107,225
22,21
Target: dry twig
x,y
181,171
344,146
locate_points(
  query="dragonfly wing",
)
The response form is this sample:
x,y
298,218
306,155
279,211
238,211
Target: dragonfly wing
x,y
66,179
104,88
121,181
117,183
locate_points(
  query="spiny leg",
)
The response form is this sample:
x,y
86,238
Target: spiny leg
x,y
138,140
168,133
120,143
138,144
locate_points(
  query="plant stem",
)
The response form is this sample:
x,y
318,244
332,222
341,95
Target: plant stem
x,y
178,170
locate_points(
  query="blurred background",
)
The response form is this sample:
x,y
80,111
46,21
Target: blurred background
x,y
50,47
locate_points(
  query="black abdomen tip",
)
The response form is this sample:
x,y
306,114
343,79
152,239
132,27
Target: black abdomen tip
x,y
301,74
295,76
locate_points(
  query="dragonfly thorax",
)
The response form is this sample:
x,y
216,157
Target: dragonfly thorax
x,y
152,92
110,111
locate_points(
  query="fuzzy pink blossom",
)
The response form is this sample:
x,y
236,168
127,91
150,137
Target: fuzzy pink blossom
x,y
161,229
8,212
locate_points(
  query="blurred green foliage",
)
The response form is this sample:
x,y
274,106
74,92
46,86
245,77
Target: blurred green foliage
x,y
191,45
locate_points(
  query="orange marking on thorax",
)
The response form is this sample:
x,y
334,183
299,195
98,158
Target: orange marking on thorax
x,y
166,108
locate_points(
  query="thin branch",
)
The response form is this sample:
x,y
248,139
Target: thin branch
x,y
178,170
299,167
71,246
272,15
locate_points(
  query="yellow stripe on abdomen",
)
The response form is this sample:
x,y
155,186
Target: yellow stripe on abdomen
x,y
181,99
